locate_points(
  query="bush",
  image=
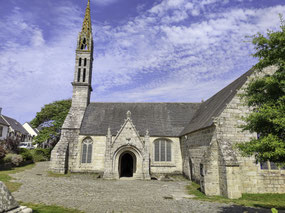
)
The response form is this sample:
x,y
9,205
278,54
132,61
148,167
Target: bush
x,y
2,152
11,145
41,154
26,154
45,152
8,158
14,159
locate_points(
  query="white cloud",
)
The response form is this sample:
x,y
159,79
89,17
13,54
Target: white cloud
x,y
159,55
103,2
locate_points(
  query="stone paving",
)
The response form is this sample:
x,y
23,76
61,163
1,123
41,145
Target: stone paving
x,y
86,193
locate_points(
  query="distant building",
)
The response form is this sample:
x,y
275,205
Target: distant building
x,y
33,132
4,127
10,127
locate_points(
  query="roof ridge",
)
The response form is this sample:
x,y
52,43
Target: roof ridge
x,y
198,117
148,102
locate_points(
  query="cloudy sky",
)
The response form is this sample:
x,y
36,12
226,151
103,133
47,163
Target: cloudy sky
x,y
144,50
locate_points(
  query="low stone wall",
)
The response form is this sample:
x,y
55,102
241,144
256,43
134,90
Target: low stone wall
x,y
257,180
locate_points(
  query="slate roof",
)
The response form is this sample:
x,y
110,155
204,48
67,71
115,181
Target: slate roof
x,y
215,105
15,125
2,121
161,119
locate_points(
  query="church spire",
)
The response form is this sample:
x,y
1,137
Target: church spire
x,y
85,41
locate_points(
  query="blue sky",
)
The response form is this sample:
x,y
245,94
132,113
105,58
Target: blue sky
x,y
144,50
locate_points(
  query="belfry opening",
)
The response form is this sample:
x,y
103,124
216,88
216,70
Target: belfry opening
x,y
127,164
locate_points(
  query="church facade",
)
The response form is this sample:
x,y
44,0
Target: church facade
x,y
150,140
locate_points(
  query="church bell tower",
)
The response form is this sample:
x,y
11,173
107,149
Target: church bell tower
x,y
83,64
64,154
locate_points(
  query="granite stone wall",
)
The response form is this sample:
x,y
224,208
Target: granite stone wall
x,y
193,148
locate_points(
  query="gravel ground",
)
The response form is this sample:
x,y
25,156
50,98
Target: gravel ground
x,y
84,192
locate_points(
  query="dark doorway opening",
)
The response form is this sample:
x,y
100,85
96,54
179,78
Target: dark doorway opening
x,y
191,169
127,165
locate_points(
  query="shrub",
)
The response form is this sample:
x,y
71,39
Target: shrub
x,y
44,152
8,158
40,154
2,152
14,159
26,154
11,145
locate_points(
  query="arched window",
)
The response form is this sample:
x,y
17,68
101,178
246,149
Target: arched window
x,y
86,150
84,45
79,63
85,62
162,150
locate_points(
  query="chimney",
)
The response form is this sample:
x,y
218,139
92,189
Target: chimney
x,y
0,110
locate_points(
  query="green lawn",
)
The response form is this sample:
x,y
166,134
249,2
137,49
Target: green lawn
x,y
254,200
41,208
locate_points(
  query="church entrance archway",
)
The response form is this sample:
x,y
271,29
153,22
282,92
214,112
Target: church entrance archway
x,y
127,164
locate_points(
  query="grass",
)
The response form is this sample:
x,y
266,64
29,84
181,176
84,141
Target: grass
x,y
6,179
42,208
254,200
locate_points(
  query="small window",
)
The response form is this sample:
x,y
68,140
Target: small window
x,y
1,130
84,74
162,150
201,169
79,63
86,151
85,62
78,75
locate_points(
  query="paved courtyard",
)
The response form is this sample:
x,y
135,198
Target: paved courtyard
x,y
86,193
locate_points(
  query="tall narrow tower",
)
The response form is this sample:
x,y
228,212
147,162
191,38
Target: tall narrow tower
x,y
83,64
65,152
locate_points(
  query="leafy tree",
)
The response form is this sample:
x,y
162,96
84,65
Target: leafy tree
x,y
50,120
266,96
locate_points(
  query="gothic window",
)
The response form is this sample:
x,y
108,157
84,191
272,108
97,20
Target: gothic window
x,y
78,75
269,166
83,45
84,74
86,150
162,150
264,165
85,62
273,166
79,63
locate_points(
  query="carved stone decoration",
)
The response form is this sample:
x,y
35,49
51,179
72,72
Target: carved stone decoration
x,y
127,141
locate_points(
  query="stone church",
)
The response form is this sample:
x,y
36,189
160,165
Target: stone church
x,y
149,140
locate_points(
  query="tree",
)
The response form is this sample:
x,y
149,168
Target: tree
x,y
50,120
266,96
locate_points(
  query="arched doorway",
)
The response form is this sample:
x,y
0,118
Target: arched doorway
x,y
127,164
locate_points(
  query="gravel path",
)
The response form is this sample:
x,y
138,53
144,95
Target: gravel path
x,y
88,194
